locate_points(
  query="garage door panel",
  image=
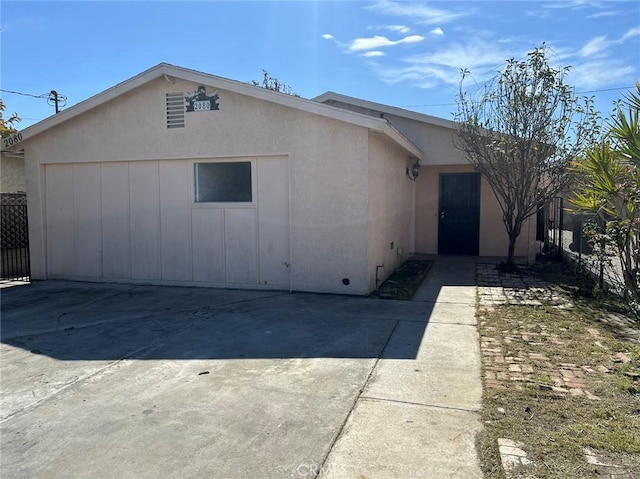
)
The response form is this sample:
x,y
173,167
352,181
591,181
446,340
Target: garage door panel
x,y
87,230
273,224
207,226
240,245
138,220
116,257
175,220
144,208
59,212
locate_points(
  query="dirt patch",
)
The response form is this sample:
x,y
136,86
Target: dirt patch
x,y
404,282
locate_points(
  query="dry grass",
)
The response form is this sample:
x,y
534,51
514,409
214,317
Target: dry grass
x,y
555,426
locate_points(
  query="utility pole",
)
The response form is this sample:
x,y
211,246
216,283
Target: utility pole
x,y
53,96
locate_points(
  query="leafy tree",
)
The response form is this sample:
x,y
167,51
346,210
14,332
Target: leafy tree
x,y
609,186
520,132
7,124
272,83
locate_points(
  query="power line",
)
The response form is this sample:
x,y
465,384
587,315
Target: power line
x,y
44,95
54,98
604,89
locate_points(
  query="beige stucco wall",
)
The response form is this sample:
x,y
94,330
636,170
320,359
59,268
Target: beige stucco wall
x,y
437,142
493,236
327,165
390,208
11,175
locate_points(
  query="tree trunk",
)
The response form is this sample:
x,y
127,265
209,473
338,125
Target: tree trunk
x,y
512,248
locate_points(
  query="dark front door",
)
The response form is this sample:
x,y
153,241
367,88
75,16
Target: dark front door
x,y
459,223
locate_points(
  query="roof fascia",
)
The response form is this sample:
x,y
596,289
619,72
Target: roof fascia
x,y
309,106
392,110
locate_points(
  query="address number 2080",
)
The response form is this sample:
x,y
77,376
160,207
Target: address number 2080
x,y
12,140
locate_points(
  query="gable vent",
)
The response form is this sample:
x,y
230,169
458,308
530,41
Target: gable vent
x,y
175,110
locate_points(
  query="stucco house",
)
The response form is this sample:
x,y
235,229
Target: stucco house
x,y
11,173
180,177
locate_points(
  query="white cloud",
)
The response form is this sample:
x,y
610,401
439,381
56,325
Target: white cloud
x,y
433,69
423,76
392,28
399,28
600,73
634,32
598,61
600,46
542,14
608,13
372,54
574,4
476,53
419,12
378,41
327,36
595,46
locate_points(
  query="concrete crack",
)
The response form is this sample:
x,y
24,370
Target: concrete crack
x,y
355,401
411,403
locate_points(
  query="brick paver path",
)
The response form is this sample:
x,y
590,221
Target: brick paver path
x,y
527,366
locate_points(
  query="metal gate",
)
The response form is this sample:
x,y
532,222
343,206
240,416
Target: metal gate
x,y
14,236
556,237
459,214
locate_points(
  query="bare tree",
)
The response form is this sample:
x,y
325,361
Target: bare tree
x,y
521,131
272,83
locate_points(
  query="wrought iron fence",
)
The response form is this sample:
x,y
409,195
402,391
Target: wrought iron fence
x,y
551,231
14,237
566,238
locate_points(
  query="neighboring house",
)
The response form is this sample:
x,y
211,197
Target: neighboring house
x,y
181,177
14,240
12,173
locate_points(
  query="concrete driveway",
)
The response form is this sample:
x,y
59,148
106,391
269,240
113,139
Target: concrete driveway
x,y
104,380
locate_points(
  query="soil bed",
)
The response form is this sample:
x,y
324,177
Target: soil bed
x,y
404,282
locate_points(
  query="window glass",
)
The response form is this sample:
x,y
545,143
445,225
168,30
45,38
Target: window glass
x,y
223,182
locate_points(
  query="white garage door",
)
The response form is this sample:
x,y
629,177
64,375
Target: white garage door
x,y
215,222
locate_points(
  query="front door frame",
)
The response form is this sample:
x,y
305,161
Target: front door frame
x,y
468,241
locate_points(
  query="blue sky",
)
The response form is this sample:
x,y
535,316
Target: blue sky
x,y
402,53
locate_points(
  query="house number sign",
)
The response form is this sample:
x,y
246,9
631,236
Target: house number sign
x,y
201,101
12,140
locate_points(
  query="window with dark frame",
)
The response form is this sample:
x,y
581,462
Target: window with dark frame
x,y
227,182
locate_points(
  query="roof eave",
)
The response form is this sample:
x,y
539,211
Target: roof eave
x,y
392,110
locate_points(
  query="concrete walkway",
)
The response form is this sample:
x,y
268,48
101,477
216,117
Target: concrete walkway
x,y
419,418
107,381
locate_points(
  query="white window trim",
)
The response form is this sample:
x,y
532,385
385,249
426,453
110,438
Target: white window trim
x,y
225,204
